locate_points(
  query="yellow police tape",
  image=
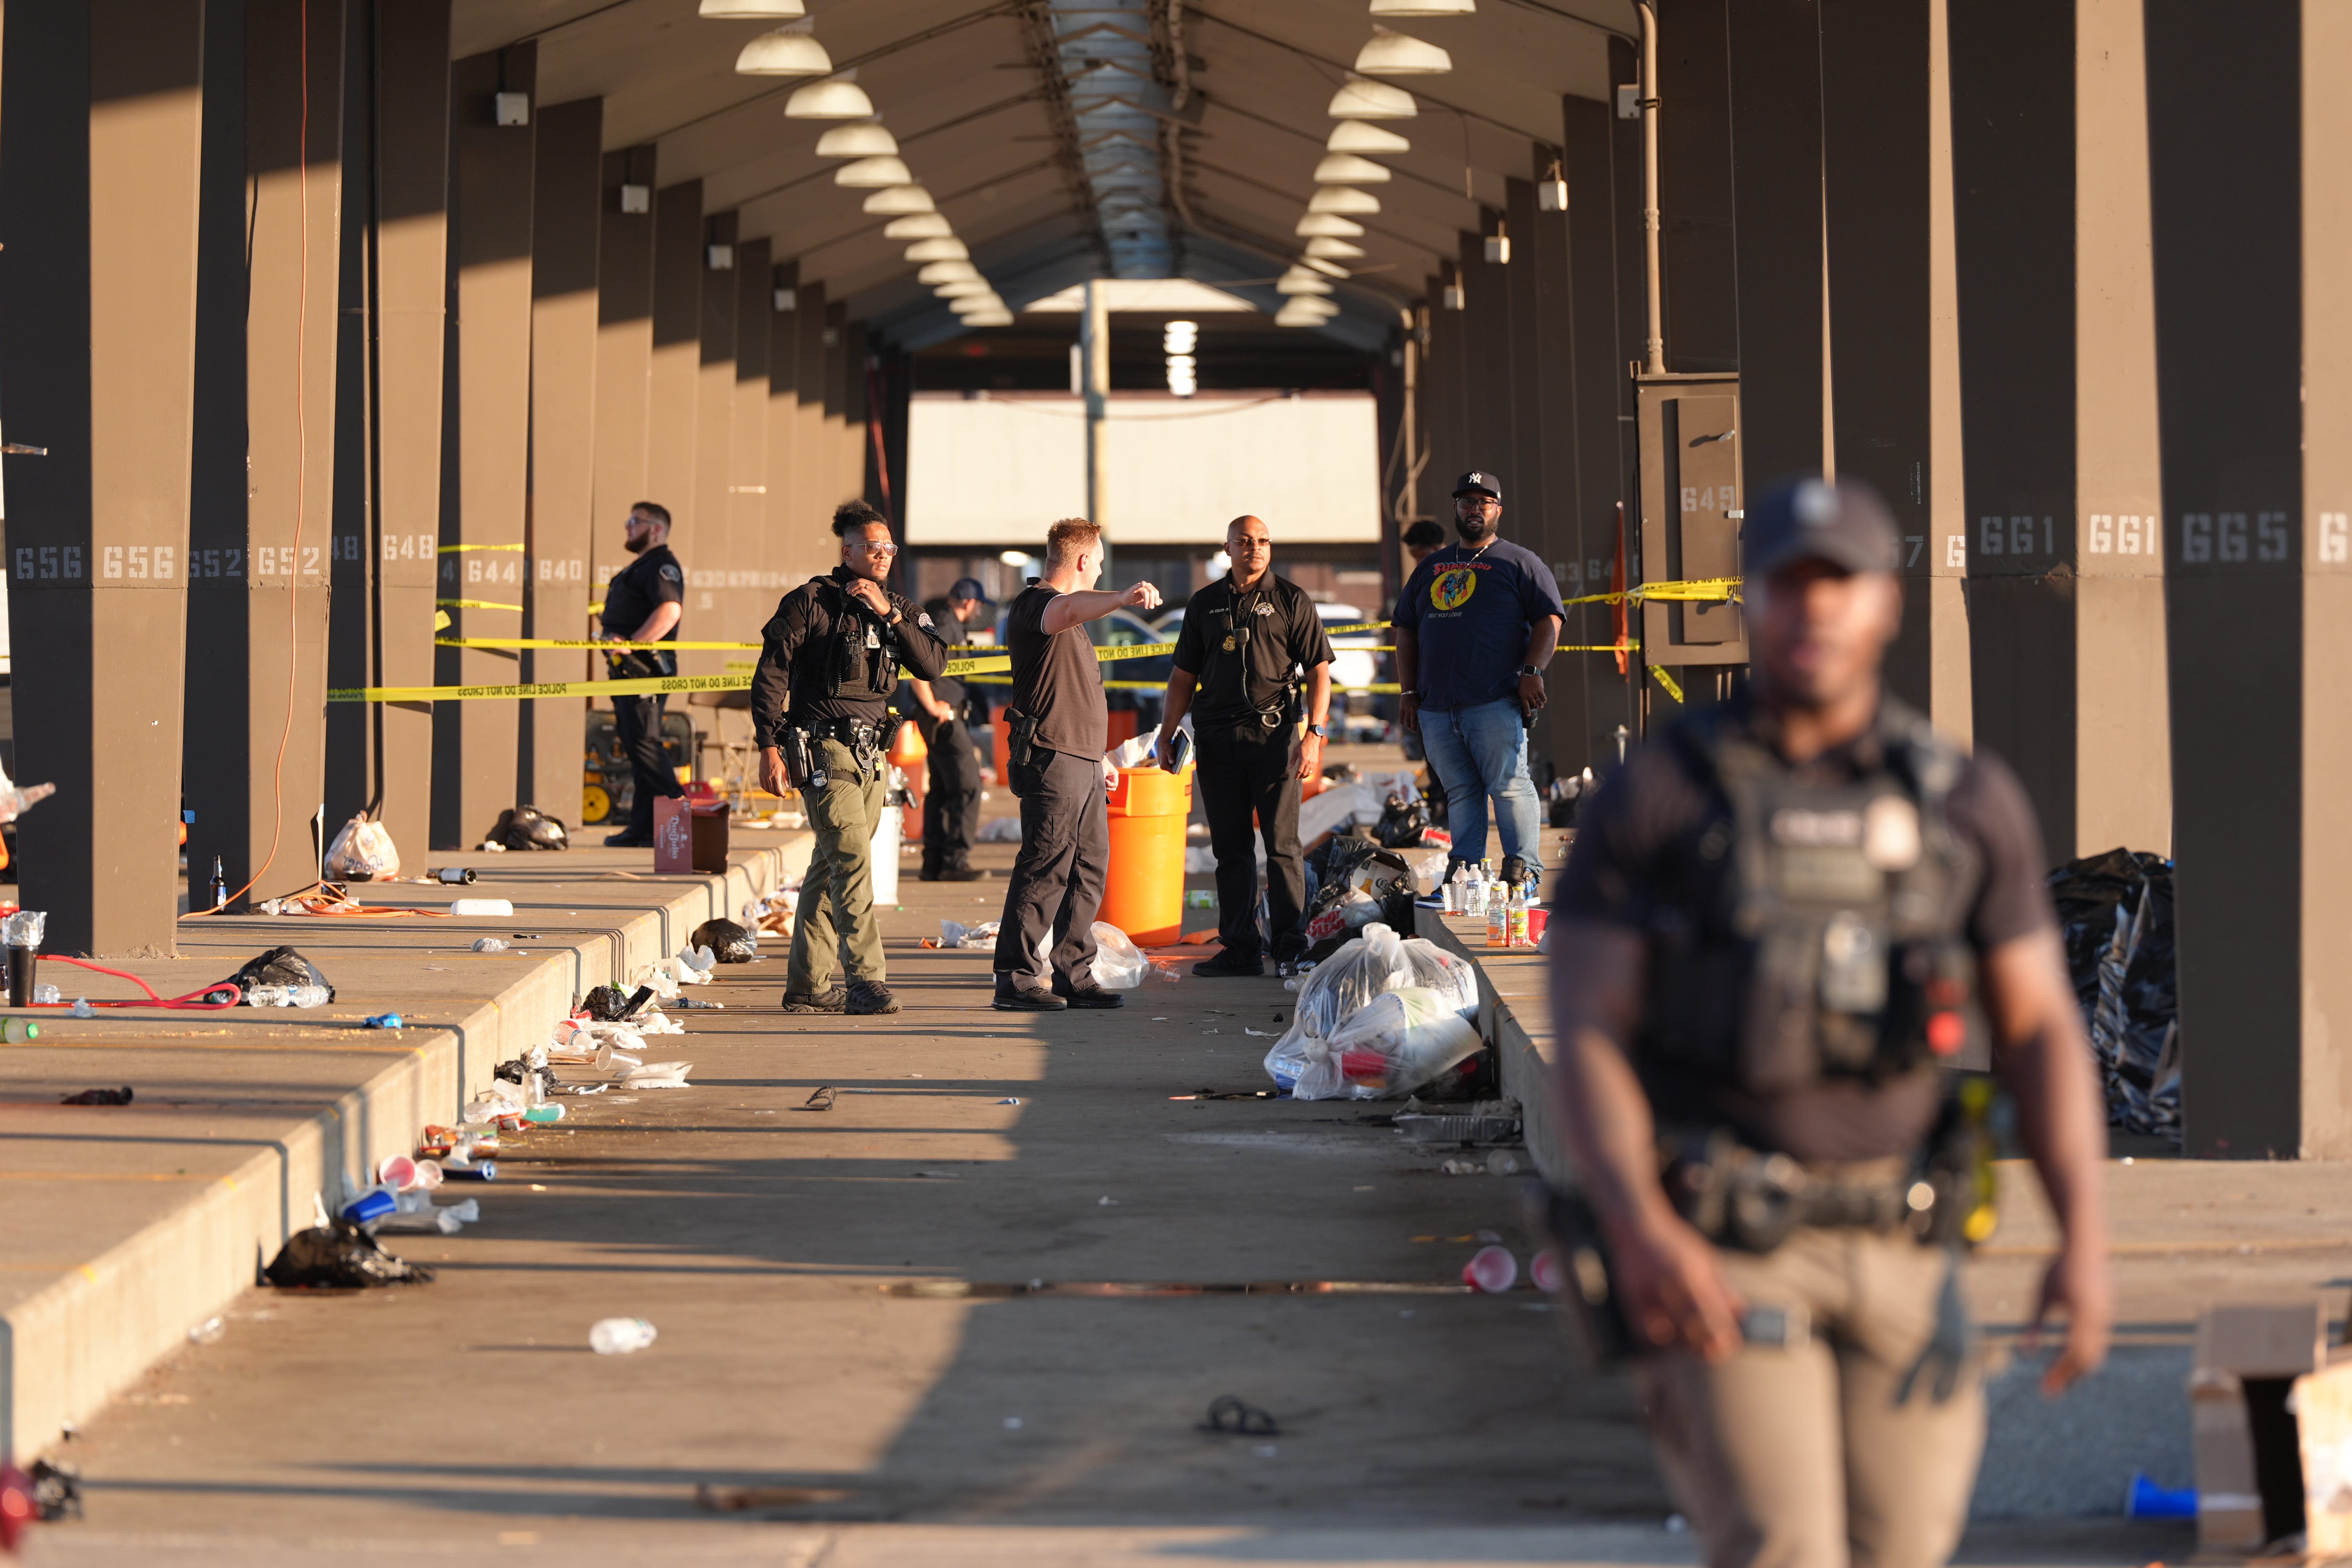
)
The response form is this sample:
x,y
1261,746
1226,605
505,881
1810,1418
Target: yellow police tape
x,y
605,644
475,604
459,549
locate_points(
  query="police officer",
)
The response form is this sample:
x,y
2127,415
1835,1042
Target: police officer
x,y
643,602
835,647
951,804
1247,637
1784,922
1058,725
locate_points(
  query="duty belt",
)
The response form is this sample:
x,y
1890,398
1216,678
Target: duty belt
x,y
863,740
1743,1198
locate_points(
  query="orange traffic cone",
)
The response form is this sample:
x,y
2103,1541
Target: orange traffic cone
x,y
906,748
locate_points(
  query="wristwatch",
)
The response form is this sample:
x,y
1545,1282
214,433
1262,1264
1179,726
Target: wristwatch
x,y
1527,670
1318,731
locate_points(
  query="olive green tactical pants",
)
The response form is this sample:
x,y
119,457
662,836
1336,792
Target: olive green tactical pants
x,y
1833,1448
837,905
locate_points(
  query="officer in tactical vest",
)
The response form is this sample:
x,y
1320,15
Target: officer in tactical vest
x,y
1785,923
835,647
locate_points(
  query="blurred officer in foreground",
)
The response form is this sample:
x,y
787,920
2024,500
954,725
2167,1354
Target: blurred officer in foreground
x,y
1785,922
643,602
834,647
951,804
1249,640
1059,727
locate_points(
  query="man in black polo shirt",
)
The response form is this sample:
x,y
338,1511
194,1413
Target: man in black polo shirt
x,y
1248,639
643,602
951,804
1059,725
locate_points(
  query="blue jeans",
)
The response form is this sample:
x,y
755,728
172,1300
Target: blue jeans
x,y
1480,751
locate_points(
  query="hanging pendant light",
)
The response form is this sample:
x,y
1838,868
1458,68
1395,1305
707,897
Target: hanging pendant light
x,y
1343,199
894,199
1326,226
790,50
872,173
1355,136
751,10
1424,7
1401,54
1328,269
1304,312
975,304
972,287
1347,169
917,226
1326,248
1364,99
1299,280
835,98
1000,317
947,272
937,250
868,140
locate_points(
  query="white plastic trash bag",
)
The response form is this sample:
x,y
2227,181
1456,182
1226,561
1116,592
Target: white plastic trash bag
x,y
362,852
1348,1002
1401,1040
1119,964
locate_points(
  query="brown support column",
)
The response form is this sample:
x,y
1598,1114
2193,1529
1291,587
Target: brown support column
x,y
99,184
813,478
747,491
350,753
708,550
566,198
1445,382
1775,144
411,248
676,367
1697,268
840,484
785,520
263,498
2249,192
2059,390
625,343
486,462
1542,432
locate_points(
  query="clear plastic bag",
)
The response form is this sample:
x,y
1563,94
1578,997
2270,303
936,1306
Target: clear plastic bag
x,y
362,852
1119,964
1401,1040
1361,969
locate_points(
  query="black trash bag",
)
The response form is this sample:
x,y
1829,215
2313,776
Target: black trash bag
x,y
605,1003
730,942
1341,875
2116,912
1404,824
340,1256
278,966
528,828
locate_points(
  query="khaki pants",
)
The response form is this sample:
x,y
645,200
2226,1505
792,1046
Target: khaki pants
x,y
1810,1455
839,887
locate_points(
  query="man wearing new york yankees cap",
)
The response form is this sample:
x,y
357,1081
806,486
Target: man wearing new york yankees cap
x,y
1475,628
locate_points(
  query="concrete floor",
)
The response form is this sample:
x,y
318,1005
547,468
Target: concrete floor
x,y
1418,1424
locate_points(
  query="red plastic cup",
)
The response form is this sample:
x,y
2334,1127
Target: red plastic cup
x,y
1536,918
1548,1273
1491,1269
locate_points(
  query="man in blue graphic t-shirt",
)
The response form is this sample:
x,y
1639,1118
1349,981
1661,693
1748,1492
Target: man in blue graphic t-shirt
x,y
1475,628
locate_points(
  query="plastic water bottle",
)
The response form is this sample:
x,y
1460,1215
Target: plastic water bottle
x,y
1475,900
307,996
1515,934
1499,920
269,995
620,1336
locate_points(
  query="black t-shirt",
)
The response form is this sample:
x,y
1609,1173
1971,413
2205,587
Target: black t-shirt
x,y
1637,838
654,578
1470,611
1243,646
1056,678
798,654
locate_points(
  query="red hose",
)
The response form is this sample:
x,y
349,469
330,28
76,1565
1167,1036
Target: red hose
x,y
192,1001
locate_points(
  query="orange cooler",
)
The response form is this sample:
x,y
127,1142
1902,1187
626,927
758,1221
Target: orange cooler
x,y
1143,891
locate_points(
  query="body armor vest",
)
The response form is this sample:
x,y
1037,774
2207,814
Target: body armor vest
x,y
861,662
1825,936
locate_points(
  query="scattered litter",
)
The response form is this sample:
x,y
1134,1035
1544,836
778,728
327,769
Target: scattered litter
x,y
83,1009
1119,964
362,852
340,1256
1261,1033
1009,1101
208,1332
1383,1014
1547,1272
1001,830
955,933
938,1175
100,1097
1012,1424
1491,1269
384,1021
1265,1451
490,944
280,972
743,1499
1107,1201
728,941
821,1101
47,996
528,828
1237,1094
502,908
1676,1524
1229,1413
1501,1162
1461,1167
621,1336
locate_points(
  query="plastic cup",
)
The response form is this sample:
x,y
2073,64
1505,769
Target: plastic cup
x,y
374,1204
1548,1274
397,1171
429,1174
1491,1269
22,964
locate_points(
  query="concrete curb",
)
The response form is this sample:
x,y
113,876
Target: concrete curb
x,y
1512,985
70,1345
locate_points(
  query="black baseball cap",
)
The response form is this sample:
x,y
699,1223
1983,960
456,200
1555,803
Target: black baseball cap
x,y
967,588
1477,481
1844,522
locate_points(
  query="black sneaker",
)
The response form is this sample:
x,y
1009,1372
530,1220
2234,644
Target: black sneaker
x,y
1027,999
624,839
1228,966
834,1001
1088,995
870,997
962,874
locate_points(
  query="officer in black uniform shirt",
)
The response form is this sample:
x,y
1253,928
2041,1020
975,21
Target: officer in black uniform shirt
x,y
951,804
834,648
1784,922
643,602
1249,641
